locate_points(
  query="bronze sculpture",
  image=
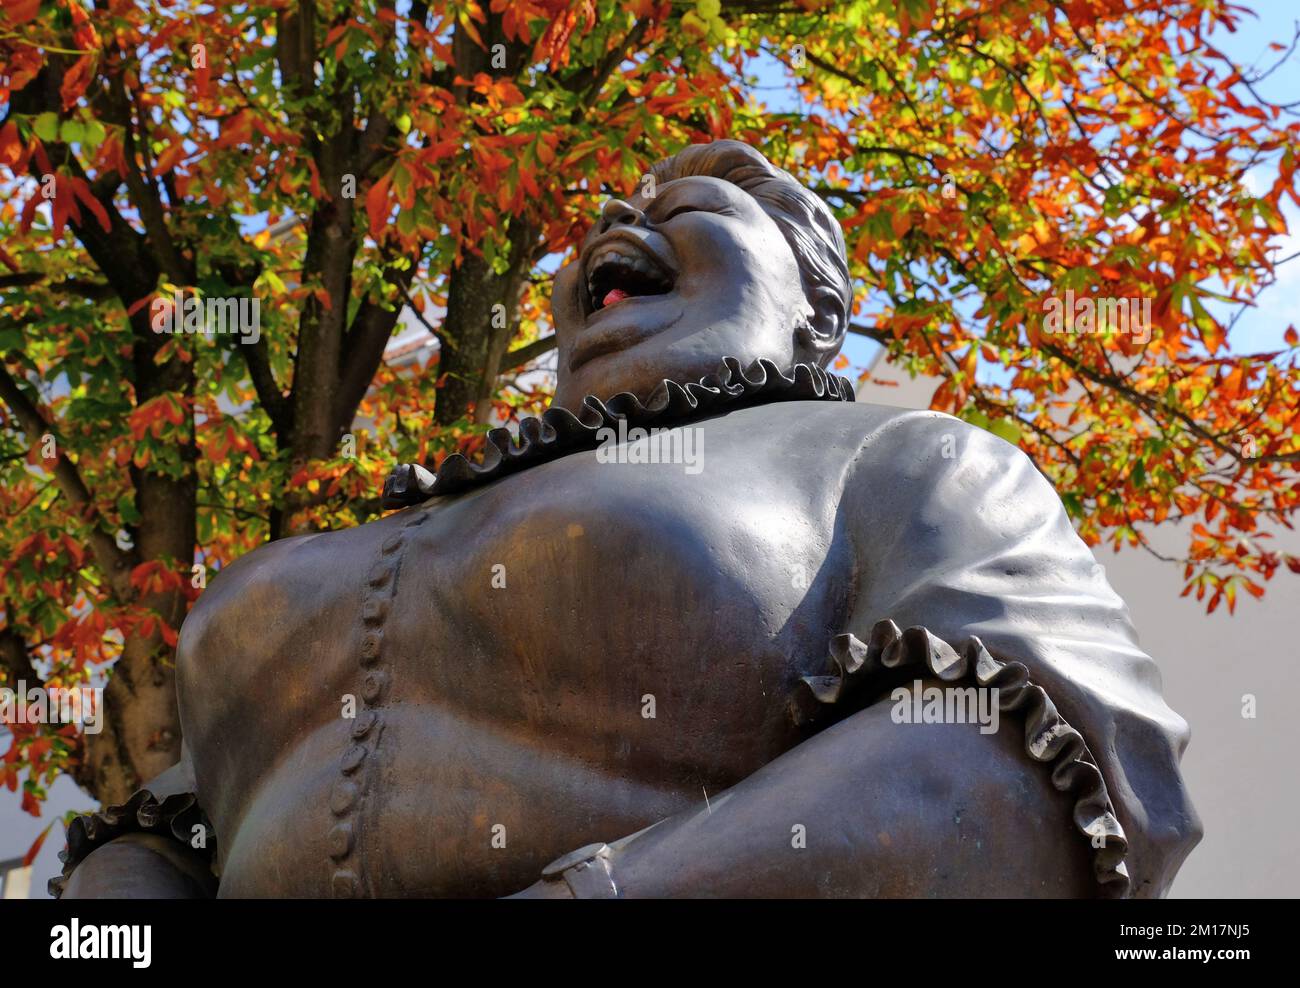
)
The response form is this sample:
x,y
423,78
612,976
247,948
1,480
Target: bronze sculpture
x,y
551,651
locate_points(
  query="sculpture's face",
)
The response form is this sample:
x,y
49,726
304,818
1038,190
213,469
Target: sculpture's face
x,y
664,287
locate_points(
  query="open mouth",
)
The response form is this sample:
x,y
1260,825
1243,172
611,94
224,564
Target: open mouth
x,y
619,271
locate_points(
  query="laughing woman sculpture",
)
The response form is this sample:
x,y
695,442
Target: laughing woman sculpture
x,y
556,673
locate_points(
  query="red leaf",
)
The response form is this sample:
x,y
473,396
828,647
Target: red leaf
x,y
29,211
138,304
22,11
169,159
11,146
82,192
377,205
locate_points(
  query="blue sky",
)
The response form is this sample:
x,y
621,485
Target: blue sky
x,y
1279,306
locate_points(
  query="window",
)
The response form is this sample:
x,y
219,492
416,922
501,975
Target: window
x,y
15,880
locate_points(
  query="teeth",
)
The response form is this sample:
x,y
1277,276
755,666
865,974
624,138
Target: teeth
x,y
631,263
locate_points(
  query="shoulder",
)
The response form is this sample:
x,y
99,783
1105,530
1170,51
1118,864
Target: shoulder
x,y
936,448
908,437
894,460
937,505
937,475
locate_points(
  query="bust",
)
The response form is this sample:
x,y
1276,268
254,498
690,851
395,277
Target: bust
x,y
580,670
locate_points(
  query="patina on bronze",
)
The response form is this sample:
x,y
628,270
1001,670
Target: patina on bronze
x,y
575,677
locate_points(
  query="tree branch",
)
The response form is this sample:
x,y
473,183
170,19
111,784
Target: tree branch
x,y
15,656
363,349
280,410
97,290
528,352
115,563
145,196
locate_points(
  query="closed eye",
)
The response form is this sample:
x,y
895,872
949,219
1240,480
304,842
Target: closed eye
x,y
678,210
688,207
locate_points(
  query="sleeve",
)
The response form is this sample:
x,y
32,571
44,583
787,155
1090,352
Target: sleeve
x,y
957,532
168,806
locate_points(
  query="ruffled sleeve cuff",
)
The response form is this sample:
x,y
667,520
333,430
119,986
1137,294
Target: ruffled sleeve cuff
x,y
1048,739
175,815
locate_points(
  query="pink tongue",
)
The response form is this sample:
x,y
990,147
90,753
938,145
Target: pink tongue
x,y
614,295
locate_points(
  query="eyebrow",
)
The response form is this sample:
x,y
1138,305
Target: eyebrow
x,y
674,189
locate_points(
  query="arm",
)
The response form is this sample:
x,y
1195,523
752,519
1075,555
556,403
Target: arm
x,y
971,540
867,808
156,845
954,530
141,866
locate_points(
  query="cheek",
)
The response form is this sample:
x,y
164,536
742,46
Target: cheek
x,y
565,308
739,253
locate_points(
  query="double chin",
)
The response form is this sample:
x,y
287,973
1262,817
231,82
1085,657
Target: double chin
x,y
678,352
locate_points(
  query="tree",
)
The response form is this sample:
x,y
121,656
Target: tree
x,y
333,162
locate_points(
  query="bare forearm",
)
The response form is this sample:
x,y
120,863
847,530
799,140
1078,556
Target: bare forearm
x,y
869,808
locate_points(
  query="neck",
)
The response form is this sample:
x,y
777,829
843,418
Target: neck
x,y
559,432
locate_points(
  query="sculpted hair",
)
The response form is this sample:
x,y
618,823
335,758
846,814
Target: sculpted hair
x,y
808,225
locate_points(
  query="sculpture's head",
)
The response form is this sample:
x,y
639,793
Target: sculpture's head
x,y
723,254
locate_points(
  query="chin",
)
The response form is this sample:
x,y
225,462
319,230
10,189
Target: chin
x,y
641,374
637,343
604,383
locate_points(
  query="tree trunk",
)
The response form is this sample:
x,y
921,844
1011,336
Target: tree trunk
x,y
475,333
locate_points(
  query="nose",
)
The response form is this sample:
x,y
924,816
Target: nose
x,y
617,211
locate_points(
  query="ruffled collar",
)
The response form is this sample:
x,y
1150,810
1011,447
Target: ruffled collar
x,y
559,432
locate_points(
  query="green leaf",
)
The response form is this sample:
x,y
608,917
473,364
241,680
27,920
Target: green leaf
x,y
401,179
269,279
95,134
126,508
72,131
1006,429
47,126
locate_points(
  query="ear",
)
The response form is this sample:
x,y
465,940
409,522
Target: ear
x,y
822,332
